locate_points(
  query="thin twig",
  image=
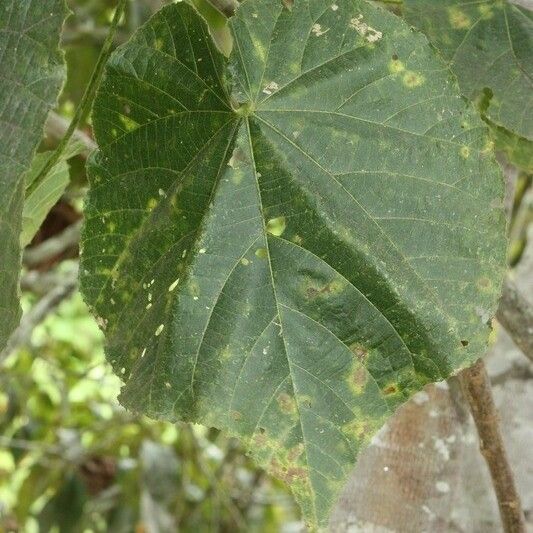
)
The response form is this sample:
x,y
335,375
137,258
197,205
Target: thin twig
x,y
475,384
515,314
28,445
86,100
54,246
22,335
40,283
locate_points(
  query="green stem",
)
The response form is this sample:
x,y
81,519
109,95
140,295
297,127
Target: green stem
x,y
86,100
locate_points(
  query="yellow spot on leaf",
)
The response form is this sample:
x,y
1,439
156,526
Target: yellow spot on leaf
x,y
485,11
128,123
488,148
237,176
276,226
465,152
225,353
413,79
151,204
458,18
359,430
396,66
313,290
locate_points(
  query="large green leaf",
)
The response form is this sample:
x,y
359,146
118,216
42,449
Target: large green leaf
x,y
288,244
32,73
490,48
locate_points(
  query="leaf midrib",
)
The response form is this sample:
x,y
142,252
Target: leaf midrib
x,y
291,372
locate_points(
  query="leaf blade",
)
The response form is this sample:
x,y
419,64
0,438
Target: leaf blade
x,y
33,74
290,289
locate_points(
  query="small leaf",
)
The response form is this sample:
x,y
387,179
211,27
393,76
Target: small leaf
x,y
33,72
489,45
44,195
289,243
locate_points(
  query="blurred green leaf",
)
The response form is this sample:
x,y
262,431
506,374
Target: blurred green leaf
x,y
33,72
65,509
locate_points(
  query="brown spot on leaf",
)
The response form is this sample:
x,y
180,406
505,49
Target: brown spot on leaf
x,y
359,430
359,378
314,290
286,403
260,439
288,474
391,389
295,452
413,79
484,283
359,351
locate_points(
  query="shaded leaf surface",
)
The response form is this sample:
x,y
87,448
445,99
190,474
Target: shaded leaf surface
x,y
31,75
490,48
288,244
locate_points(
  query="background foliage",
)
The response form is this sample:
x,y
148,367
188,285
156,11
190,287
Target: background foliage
x,y
71,457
